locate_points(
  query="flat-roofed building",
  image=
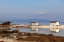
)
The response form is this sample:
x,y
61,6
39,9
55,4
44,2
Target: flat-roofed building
x,y
34,23
54,23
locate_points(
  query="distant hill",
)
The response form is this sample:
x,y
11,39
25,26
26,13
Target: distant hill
x,y
29,20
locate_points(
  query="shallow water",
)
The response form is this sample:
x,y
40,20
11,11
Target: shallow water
x,y
41,31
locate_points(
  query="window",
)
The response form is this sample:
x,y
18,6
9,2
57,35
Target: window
x,y
56,25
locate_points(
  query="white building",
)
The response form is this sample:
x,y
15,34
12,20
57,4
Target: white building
x,y
34,23
54,23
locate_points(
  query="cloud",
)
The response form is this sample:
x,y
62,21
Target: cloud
x,y
42,13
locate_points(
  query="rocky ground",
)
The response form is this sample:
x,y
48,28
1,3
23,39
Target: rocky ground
x,y
23,36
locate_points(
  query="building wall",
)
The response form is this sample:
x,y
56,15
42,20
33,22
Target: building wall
x,y
57,23
54,29
34,24
54,24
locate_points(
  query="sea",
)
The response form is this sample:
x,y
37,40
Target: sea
x,y
40,31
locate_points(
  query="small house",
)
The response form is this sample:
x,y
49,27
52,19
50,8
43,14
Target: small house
x,y
54,23
34,23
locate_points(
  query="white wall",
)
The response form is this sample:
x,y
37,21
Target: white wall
x,y
34,24
55,24
51,24
54,29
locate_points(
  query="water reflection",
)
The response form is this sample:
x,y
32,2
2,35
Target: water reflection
x,y
41,31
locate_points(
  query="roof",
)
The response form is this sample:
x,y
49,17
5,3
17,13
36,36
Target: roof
x,y
53,21
33,22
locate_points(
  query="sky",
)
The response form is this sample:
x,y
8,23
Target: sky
x,y
32,9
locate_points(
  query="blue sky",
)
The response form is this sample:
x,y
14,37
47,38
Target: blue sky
x,y
32,9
